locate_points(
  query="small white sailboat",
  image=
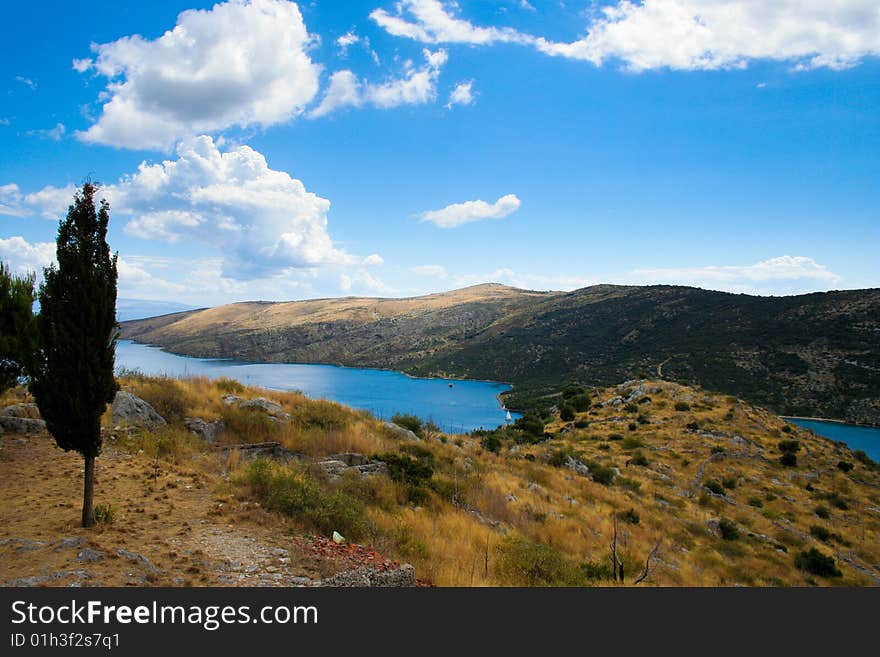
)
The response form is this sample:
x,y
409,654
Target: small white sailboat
x,y
508,418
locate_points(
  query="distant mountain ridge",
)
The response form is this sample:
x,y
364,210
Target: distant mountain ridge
x,y
815,354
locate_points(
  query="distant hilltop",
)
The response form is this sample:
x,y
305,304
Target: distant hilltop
x,y
812,355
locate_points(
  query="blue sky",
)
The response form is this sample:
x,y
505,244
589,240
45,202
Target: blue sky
x,y
275,150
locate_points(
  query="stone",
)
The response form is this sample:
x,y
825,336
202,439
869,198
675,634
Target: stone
x,y
70,542
12,424
134,556
207,431
402,576
338,538
271,408
29,411
577,466
133,411
399,432
88,555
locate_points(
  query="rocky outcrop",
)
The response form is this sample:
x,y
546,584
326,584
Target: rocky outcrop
x,y
131,410
339,464
272,409
26,410
207,431
270,450
11,424
399,432
864,411
402,576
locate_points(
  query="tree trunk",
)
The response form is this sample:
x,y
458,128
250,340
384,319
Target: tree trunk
x,y
88,515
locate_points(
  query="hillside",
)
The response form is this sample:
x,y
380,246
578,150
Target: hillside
x,y
812,355
696,487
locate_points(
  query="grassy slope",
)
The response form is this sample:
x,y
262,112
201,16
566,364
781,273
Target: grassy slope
x,y
484,518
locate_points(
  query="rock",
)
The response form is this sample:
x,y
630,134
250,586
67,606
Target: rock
x,y
339,464
134,556
578,466
70,542
511,498
133,411
399,432
259,404
29,411
350,458
207,431
12,424
338,538
402,576
88,555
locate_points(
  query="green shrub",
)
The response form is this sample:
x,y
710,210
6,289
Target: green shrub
x,y
682,406
862,457
822,512
639,459
632,426
566,413
845,466
405,469
615,436
571,391
630,515
716,450
601,474
529,563
229,385
596,570
786,428
789,446
530,424
714,487
558,458
729,483
408,421
729,530
788,459
632,442
286,491
820,532
491,443
631,408
816,563
581,403
837,501
582,424
693,426
104,513
643,418
756,502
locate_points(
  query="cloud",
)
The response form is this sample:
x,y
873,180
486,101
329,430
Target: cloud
x,y
461,95
781,275
374,260
30,84
55,134
417,86
82,65
24,257
470,211
677,34
262,221
241,63
346,40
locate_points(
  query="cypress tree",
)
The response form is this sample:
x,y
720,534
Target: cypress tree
x,y
72,379
16,325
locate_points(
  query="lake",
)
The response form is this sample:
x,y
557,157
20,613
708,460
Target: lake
x,y
456,406
856,437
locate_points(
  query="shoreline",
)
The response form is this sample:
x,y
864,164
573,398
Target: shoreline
x,y
831,420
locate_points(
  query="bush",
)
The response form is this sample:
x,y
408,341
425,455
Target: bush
x,y
756,502
615,436
558,458
632,442
729,483
226,384
714,487
405,469
104,513
682,406
822,512
845,466
572,391
639,459
530,424
862,457
789,446
582,424
818,531
601,474
630,515
530,563
816,563
837,501
566,413
491,443
596,570
788,459
729,530
693,426
716,449
631,408
286,491
786,428
407,421
581,403
632,426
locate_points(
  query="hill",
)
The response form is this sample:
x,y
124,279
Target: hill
x,y
693,488
811,355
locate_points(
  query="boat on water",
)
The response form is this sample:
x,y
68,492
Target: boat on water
x,y
509,417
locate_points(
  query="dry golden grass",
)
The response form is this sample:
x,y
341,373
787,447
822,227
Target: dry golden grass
x,y
482,511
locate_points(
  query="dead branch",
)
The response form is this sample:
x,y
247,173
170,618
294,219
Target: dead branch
x,y
651,556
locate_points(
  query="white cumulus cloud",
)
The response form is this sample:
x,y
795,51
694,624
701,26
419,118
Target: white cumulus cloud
x,y
470,211
241,63
462,94
676,34
416,86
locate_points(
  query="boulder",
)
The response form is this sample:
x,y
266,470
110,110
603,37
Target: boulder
x,y
133,411
577,466
12,424
403,576
339,464
271,408
207,431
29,411
399,432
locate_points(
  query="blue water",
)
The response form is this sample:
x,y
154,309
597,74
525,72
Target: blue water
x,y
865,438
465,406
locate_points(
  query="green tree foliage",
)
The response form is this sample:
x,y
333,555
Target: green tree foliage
x,y
72,379
16,325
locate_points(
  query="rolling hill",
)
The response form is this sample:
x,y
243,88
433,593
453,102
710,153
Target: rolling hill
x,y
815,354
